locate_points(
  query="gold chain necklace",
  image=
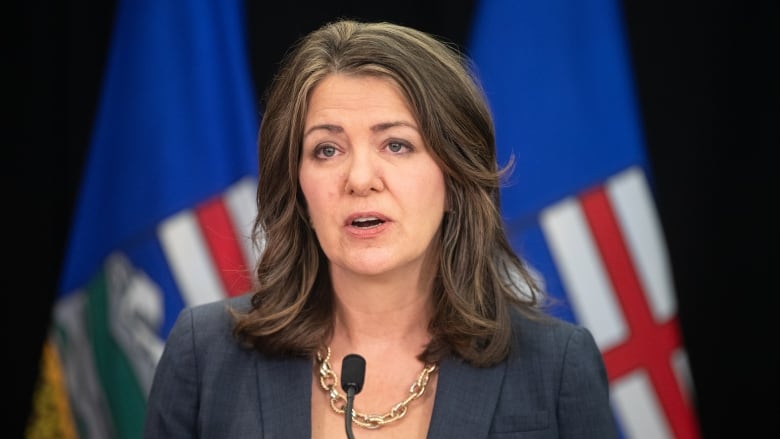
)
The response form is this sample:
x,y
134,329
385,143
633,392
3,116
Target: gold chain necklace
x,y
338,400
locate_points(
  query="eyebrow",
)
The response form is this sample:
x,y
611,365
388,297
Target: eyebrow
x,y
375,128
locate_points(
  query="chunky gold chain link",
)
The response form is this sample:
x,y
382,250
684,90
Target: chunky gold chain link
x,y
338,401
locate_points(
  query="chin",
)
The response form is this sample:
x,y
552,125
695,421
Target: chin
x,y
368,269
368,265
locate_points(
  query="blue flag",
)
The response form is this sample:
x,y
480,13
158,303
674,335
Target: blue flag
x,y
165,205
579,203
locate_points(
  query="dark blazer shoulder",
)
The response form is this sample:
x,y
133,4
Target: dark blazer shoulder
x,y
217,311
213,321
542,335
555,370
204,377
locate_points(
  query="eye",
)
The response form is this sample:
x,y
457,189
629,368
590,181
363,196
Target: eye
x,y
397,147
325,151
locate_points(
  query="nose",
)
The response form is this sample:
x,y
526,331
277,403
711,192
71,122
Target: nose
x,y
364,174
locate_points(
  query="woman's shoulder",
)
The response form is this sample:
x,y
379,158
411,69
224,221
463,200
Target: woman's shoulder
x,y
220,310
548,336
212,321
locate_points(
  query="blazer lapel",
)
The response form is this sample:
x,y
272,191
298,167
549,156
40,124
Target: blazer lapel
x,y
466,399
284,389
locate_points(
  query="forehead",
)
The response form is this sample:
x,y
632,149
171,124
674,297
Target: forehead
x,y
356,89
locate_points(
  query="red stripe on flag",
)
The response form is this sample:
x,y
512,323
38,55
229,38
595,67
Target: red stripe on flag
x,y
222,241
650,344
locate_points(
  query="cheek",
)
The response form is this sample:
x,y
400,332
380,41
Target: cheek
x,y
320,194
431,189
438,197
307,189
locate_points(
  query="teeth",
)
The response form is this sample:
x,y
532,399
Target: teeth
x,y
370,221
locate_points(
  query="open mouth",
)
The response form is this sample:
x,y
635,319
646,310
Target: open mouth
x,y
367,223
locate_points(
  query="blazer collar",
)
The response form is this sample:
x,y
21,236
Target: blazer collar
x,y
284,389
466,398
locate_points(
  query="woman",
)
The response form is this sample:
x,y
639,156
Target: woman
x,y
379,212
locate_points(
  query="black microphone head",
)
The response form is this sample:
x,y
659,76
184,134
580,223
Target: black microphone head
x,y
353,372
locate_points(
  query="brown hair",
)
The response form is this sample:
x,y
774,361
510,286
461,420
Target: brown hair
x,y
479,276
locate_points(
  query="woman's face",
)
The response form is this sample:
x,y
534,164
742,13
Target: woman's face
x,y
375,196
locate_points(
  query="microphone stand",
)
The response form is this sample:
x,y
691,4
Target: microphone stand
x,y
348,411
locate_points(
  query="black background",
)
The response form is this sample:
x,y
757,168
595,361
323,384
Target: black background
x,y
708,91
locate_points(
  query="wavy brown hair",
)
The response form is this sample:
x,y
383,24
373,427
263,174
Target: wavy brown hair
x,y
479,277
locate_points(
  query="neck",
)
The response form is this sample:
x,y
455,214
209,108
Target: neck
x,y
365,309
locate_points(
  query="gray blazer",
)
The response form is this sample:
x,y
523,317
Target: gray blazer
x,y
553,385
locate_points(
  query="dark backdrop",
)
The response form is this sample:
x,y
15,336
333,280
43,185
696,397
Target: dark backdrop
x,y
708,91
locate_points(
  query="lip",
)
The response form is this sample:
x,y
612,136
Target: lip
x,y
357,215
366,232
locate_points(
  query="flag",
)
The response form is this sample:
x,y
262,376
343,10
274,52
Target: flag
x,y
163,216
579,204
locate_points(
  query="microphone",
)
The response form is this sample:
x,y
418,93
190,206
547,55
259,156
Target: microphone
x,y
353,372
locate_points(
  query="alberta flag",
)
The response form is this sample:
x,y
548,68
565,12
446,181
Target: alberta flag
x,y
164,212
580,203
